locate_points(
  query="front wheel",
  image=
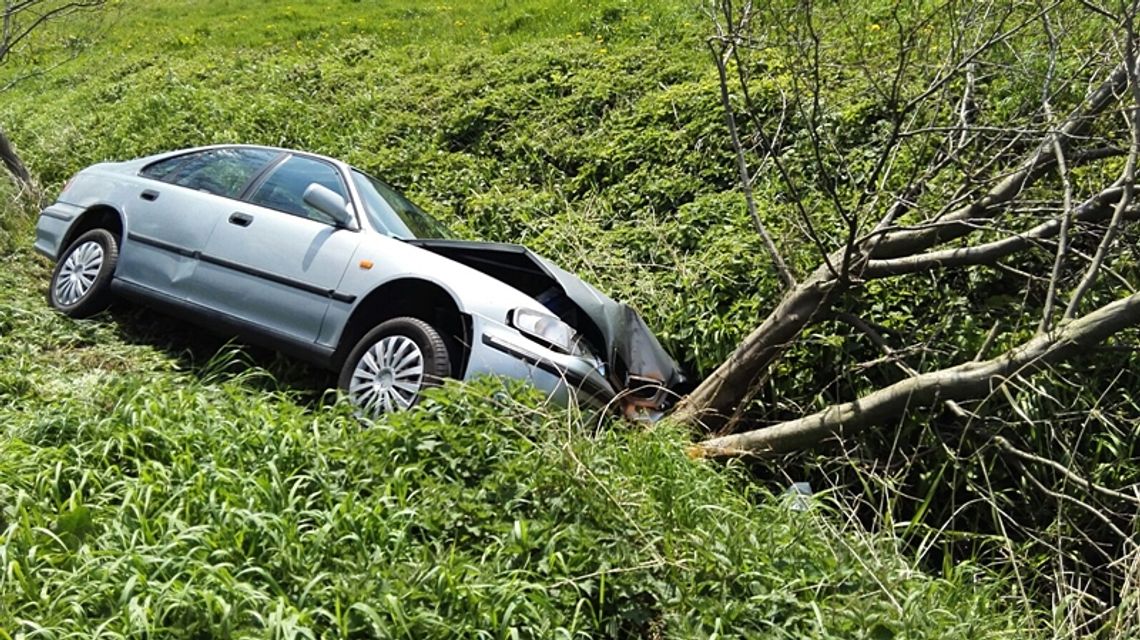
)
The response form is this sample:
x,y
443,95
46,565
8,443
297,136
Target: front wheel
x,y
81,282
392,364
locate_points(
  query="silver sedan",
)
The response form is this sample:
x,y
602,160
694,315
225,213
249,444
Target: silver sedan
x,y
318,259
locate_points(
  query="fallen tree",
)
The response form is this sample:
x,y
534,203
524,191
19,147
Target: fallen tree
x,y
945,155
962,382
876,241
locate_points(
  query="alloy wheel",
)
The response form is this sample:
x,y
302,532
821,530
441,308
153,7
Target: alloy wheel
x,y
78,273
388,376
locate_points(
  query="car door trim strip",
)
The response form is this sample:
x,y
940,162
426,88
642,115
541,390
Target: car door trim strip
x,y
279,279
161,244
242,268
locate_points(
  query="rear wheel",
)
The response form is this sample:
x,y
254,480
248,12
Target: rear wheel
x,y
81,282
392,364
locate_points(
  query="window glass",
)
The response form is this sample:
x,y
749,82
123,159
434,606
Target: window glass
x,y
223,172
159,170
392,213
284,189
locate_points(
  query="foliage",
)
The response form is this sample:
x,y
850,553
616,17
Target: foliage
x,y
836,89
142,498
140,482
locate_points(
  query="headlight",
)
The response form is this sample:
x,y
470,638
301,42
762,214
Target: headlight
x,y
546,329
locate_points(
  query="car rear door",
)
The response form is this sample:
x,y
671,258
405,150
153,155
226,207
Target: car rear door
x,y
274,261
178,203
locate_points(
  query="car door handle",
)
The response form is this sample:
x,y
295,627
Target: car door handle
x,y
149,194
241,219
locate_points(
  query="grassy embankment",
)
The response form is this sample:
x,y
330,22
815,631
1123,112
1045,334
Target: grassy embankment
x,y
146,490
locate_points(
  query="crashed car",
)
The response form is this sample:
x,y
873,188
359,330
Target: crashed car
x,y
319,260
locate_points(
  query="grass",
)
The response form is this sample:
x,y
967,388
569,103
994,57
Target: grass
x,y
149,487
142,496
498,25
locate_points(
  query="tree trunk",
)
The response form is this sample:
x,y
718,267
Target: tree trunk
x,y
16,166
714,402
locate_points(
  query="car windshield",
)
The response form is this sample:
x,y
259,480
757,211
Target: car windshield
x,y
391,212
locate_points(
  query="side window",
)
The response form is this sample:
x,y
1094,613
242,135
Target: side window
x,y
284,189
223,172
159,170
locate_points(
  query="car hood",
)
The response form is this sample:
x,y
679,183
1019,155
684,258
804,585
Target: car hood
x,y
634,356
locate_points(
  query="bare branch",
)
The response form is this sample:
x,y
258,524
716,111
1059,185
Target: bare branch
x,y
908,242
719,57
1094,209
890,354
1065,471
1057,495
1129,177
41,12
1066,184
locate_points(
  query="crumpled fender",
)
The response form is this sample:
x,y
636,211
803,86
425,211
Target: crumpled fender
x,y
635,359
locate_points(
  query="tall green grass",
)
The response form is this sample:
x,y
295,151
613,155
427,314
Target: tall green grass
x,y
498,25
145,492
137,499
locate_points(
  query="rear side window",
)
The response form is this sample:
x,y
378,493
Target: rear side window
x,y
284,189
223,172
162,168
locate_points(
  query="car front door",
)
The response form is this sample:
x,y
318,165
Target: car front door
x,y
177,206
274,261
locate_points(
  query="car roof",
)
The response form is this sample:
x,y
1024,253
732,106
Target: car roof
x,y
178,152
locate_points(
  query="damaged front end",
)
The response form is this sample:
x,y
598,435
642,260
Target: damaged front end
x,y
647,377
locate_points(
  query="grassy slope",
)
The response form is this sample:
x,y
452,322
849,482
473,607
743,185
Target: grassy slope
x,y
582,135
142,491
139,495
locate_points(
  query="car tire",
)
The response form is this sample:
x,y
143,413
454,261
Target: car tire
x,y
81,282
392,364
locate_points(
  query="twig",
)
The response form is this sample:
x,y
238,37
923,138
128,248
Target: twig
x,y
1128,178
1066,183
1060,468
742,166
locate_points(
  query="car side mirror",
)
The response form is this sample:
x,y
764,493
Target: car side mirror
x,y
329,202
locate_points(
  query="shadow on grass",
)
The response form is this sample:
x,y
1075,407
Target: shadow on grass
x,y
205,353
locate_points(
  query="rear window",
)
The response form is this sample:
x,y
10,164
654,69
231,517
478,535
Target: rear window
x,y
162,168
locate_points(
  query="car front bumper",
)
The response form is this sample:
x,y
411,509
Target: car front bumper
x,y
500,350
